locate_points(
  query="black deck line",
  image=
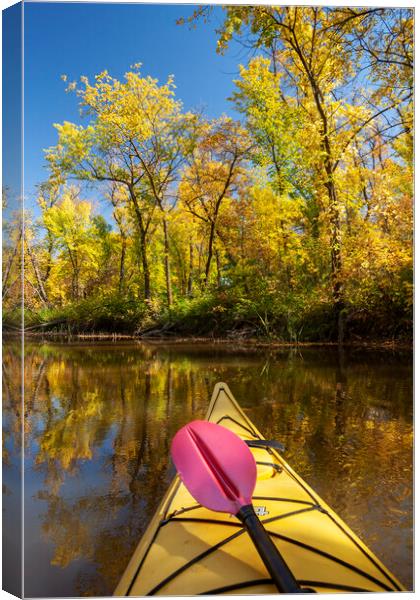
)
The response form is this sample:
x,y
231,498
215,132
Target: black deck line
x,y
216,546
371,558
290,514
239,424
303,486
193,561
302,582
274,499
285,466
183,510
284,538
336,586
332,558
274,466
233,523
237,586
225,541
134,578
172,496
265,444
151,542
201,520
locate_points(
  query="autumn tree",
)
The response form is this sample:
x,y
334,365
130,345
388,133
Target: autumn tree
x,y
313,56
12,236
48,195
71,222
215,172
134,139
297,218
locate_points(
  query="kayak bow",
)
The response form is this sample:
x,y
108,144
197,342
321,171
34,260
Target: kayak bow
x,y
190,550
219,470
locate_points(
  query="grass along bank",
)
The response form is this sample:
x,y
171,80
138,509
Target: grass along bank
x,y
222,315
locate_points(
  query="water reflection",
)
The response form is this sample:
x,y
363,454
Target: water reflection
x,y
12,473
99,421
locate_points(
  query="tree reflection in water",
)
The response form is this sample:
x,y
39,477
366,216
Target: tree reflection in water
x,y
99,421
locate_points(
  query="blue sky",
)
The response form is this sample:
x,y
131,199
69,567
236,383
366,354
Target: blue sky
x,y
84,39
12,118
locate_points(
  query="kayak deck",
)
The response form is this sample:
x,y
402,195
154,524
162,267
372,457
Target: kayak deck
x,y
189,550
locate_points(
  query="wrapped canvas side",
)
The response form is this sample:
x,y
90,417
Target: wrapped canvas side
x,y
12,294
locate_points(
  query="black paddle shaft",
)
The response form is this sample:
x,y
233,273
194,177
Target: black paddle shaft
x,y
276,566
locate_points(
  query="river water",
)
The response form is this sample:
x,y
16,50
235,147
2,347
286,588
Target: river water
x,y
100,419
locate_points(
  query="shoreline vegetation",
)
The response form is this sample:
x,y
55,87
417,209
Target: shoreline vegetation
x,y
221,317
246,344
291,222
247,333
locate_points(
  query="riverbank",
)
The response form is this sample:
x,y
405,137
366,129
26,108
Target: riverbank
x,y
223,318
237,343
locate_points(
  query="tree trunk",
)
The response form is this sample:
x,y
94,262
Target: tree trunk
x,y
42,292
145,264
9,265
209,253
335,233
190,271
50,247
75,274
76,284
288,275
334,214
335,243
219,274
122,262
167,265
143,244
200,262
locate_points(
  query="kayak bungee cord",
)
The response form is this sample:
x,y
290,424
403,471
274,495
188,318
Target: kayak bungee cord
x,y
188,551
176,517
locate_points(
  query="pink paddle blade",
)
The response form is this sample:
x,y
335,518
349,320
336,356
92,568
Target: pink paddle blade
x,y
215,465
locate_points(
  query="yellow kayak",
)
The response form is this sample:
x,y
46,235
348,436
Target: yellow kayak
x,y
190,550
